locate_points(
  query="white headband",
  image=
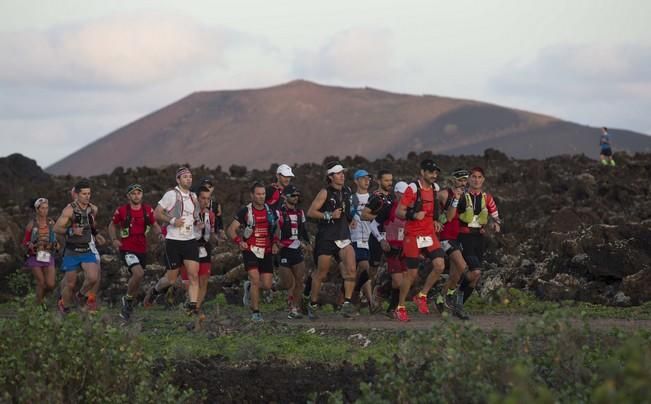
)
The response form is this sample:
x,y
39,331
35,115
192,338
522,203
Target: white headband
x,y
336,169
39,202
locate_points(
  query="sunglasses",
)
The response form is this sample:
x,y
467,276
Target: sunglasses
x,y
294,195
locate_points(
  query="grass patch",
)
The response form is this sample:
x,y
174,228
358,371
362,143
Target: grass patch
x,y
514,301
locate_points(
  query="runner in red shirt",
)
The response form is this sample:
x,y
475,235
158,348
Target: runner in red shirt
x,y
418,207
128,232
257,222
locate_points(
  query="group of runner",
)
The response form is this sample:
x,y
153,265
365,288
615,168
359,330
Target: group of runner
x,y
411,225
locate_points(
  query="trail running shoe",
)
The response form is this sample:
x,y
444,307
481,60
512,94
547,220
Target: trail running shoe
x,y
400,314
312,310
451,302
294,313
91,303
125,312
440,304
257,317
459,311
150,296
63,310
347,309
421,303
246,297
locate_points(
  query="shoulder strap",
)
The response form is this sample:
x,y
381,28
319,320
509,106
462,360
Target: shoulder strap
x,y
250,220
127,219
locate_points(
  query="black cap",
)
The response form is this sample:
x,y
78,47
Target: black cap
x,y
206,180
290,189
429,165
460,173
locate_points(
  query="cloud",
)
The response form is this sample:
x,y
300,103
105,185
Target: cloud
x,y
592,84
127,51
581,73
356,55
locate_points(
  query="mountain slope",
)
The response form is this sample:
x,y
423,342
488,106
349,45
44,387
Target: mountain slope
x,y
302,122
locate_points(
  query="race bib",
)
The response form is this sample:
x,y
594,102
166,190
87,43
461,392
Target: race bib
x,y
131,259
257,251
424,241
401,234
362,244
342,243
43,256
187,229
202,252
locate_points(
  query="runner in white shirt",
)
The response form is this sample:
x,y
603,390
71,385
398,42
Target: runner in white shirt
x,y
179,208
360,231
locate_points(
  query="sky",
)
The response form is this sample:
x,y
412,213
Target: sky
x,y
73,71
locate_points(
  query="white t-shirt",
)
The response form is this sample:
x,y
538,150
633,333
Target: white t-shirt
x,y
362,230
167,202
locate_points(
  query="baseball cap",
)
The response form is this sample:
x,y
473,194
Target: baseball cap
x,y
284,170
361,173
290,190
460,173
206,180
400,186
133,187
429,165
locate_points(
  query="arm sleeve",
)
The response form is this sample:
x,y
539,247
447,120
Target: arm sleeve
x,y
375,230
408,198
491,206
28,235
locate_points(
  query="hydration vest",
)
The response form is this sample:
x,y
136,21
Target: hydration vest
x,y
209,227
126,225
250,221
177,209
81,218
286,229
471,211
35,238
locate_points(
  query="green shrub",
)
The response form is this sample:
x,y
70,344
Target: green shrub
x,y
450,364
20,282
547,359
626,375
46,358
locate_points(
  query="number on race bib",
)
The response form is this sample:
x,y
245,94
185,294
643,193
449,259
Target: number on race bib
x,y
43,256
131,259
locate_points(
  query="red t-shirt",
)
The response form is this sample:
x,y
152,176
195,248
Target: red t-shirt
x,y
451,227
137,240
425,226
260,237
